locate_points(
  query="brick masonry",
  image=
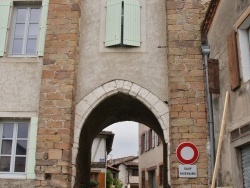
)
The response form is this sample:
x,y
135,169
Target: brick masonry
x,y
56,113
186,86
56,108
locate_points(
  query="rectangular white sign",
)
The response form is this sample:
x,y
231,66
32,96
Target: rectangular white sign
x,y
187,171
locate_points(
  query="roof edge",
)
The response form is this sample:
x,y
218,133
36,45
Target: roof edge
x,y
208,19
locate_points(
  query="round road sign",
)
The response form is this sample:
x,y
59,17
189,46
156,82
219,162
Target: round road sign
x,y
187,153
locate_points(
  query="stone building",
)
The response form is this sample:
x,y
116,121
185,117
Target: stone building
x,y
226,31
69,68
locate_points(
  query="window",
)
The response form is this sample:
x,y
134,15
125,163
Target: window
x,y
153,139
143,179
135,172
142,143
28,28
156,140
240,155
94,176
245,155
122,23
161,174
18,148
146,141
243,31
150,139
25,30
13,146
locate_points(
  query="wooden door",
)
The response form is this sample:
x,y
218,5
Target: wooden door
x,y
102,180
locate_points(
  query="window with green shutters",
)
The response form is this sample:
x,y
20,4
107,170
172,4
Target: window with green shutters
x,y
123,23
28,28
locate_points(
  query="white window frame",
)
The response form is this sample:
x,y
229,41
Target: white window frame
x,y
31,150
11,173
242,26
11,40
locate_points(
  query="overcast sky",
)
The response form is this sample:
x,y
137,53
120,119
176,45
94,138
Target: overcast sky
x,y
126,139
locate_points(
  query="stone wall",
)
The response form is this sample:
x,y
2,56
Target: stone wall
x,y
186,86
53,157
13,183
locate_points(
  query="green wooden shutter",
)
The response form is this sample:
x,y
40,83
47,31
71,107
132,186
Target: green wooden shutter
x,y
32,148
113,22
4,18
43,27
132,23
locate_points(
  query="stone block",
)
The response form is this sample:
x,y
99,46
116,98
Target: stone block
x,y
55,154
53,169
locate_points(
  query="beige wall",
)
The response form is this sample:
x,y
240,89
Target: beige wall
x,y
151,158
147,69
227,14
20,80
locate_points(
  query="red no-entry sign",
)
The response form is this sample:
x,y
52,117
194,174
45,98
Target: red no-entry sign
x,y
187,153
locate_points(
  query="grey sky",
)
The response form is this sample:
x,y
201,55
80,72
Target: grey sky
x,y
125,140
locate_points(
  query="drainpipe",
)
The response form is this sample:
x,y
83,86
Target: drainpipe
x,y
205,52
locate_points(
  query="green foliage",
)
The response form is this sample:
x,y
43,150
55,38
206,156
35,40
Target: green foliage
x,y
109,179
94,183
117,183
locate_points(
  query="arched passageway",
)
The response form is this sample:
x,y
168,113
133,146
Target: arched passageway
x,y
115,105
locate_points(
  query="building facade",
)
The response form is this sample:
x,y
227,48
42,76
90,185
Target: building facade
x,y
128,170
101,147
150,158
227,34
70,68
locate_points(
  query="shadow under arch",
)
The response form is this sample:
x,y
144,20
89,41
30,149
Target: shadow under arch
x,y
117,107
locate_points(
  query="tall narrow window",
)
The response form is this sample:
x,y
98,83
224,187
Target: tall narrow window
x,y
13,147
25,30
161,174
142,143
153,139
143,179
150,138
122,23
147,141
156,140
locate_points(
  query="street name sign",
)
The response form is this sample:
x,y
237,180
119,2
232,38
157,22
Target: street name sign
x,y
187,171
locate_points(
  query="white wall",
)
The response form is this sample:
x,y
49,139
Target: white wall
x,y
98,150
123,174
151,158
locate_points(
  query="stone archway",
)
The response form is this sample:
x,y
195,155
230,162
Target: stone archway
x,y
131,98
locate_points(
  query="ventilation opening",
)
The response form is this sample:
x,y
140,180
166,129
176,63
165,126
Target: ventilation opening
x,y
240,132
